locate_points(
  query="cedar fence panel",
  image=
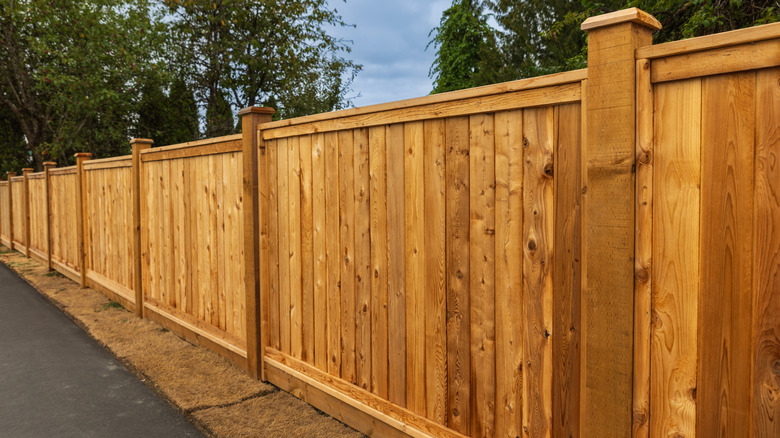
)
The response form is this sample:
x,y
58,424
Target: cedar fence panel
x,y
5,214
19,212
64,222
192,228
38,221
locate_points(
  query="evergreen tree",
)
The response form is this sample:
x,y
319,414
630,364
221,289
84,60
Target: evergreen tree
x,y
152,113
466,53
219,116
182,116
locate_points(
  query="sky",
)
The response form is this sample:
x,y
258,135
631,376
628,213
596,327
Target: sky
x,y
389,41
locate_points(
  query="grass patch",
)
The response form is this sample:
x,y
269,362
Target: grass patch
x,y
53,274
112,305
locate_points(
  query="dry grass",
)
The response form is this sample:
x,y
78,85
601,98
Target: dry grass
x,y
216,396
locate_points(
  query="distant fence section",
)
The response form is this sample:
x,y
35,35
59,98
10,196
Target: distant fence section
x,y
593,253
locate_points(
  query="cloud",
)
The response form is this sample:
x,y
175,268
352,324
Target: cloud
x,y
389,40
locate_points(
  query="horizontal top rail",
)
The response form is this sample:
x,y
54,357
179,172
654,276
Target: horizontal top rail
x,y
16,179
726,39
209,146
488,90
3,183
63,170
109,163
39,175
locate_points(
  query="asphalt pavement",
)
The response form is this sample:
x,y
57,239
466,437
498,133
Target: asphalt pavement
x,y
56,381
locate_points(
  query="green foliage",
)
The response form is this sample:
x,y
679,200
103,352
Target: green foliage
x,y
219,116
13,155
71,70
182,115
545,37
251,52
466,54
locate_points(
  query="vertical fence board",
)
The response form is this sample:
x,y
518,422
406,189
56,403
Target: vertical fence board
x,y
362,260
396,292
435,291
307,255
509,273
272,151
414,222
566,274
379,275
333,252
294,220
676,249
482,266
725,297
347,252
538,227
766,258
458,275
320,255
284,244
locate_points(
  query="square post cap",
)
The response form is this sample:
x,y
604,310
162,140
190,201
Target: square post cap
x,y
49,164
141,141
256,110
630,15
83,155
27,170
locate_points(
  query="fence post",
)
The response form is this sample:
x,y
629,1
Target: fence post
x,y
47,168
11,209
81,157
608,301
138,144
25,173
254,208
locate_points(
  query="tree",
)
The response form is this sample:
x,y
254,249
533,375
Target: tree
x,y
182,116
13,155
250,52
71,70
466,53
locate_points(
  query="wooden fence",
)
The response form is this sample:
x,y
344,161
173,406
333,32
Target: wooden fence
x,y
592,253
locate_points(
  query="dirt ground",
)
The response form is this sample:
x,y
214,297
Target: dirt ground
x,y
212,393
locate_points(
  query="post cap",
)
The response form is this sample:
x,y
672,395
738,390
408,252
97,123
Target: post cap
x,y
83,155
49,163
142,141
256,110
28,170
630,15
10,174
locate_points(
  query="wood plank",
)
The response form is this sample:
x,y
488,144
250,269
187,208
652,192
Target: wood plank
x,y
458,278
177,151
379,266
724,39
414,247
347,252
567,273
552,95
482,264
333,252
346,391
272,152
509,273
307,255
362,260
675,277
725,297
396,292
539,135
320,254
435,276
284,244
766,259
717,61
294,220
505,87
643,250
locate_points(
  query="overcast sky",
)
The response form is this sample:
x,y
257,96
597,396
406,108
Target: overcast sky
x,y
389,41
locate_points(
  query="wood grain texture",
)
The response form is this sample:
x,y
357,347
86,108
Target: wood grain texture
x,y
675,276
294,220
333,252
482,227
725,297
435,291
379,267
643,250
509,274
347,253
307,251
539,139
272,152
283,184
414,224
458,275
566,273
766,258
396,292
362,260
320,258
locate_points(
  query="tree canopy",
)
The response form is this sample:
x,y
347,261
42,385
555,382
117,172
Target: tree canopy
x,y
87,75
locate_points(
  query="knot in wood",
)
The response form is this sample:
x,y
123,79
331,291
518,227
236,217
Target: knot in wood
x,y
548,170
776,367
532,245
